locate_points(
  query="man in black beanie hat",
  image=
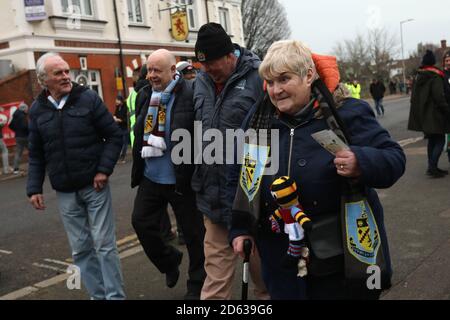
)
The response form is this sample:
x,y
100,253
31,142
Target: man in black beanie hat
x,y
212,43
225,90
430,111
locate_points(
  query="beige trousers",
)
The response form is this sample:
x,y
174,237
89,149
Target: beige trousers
x,y
220,266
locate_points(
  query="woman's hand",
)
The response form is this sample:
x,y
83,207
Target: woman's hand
x,y
347,164
238,245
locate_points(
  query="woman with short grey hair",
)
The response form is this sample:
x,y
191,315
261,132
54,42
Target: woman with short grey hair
x,y
306,261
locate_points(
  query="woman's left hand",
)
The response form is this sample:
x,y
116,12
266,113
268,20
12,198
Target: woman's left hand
x,y
347,164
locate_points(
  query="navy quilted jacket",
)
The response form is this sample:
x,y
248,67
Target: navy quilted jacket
x,y
72,144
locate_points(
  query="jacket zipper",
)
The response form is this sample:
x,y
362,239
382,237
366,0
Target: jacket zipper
x,y
291,143
290,150
61,126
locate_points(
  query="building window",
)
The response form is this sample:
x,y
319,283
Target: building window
x,y
224,17
190,9
88,78
81,7
135,11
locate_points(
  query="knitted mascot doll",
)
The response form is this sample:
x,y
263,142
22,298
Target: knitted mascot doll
x,y
290,212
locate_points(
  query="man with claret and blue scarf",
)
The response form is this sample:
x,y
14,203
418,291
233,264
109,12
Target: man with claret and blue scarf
x,y
168,106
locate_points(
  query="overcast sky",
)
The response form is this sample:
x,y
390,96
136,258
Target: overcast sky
x,y
323,23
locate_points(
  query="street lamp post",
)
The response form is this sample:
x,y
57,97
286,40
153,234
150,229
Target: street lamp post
x,y
403,56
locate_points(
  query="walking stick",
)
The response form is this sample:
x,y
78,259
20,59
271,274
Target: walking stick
x,y
247,250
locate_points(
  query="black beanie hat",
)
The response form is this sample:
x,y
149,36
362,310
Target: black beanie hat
x,y
212,42
429,59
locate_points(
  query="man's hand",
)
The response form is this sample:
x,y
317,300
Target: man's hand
x,y
37,201
238,245
100,181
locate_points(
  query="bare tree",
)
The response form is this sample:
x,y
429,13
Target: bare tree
x,y
382,47
366,57
353,57
265,21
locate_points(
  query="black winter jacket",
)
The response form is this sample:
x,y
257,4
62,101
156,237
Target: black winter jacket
x,y
447,85
429,111
222,112
182,117
377,90
122,113
19,124
381,160
72,144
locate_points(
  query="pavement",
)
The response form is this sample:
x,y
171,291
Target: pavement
x,y
417,217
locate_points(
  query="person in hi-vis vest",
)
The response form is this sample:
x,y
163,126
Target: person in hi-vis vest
x,y
140,83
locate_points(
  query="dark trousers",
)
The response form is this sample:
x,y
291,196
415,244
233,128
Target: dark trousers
x,y
166,224
125,142
436,144
379,106
150,203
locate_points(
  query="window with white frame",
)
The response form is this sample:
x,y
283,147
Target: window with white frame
x,y
81,7
191,12
224,18
135,11
88,78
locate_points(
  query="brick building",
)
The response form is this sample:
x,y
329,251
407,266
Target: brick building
x,y
86,34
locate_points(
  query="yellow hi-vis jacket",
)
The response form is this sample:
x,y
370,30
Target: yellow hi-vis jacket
x,y
354,91
131,103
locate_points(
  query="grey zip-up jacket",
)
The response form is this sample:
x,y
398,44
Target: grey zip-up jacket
x,y
222,112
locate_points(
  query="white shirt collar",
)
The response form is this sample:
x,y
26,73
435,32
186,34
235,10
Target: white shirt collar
x,y
58,105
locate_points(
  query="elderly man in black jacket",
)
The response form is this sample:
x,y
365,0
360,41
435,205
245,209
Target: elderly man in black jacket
x,y
167,106
75,139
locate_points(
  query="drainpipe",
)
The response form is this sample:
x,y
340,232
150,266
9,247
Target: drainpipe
x,y
122,69
207,11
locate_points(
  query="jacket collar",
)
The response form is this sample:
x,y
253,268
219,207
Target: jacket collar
x,y
432,69
74,93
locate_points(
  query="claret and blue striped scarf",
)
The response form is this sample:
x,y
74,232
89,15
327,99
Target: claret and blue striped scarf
x,y
154,128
